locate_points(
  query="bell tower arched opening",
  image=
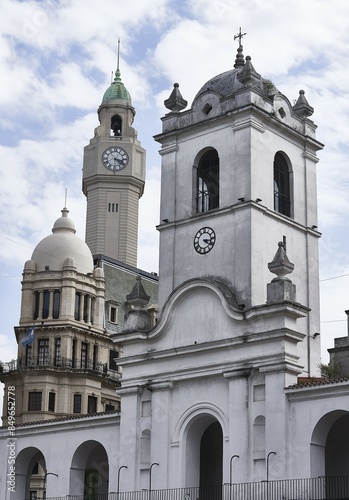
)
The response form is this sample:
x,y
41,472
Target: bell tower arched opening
x,y
116,125
207,186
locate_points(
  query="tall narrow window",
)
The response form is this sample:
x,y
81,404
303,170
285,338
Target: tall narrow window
x,y
208,182
84,352
113,355
86,308
92,404
77,403
77,306
56,302
43,356
282,195
46,305
92,312
28,355
112,314
73,353
36,305
58,352
95,356
51,401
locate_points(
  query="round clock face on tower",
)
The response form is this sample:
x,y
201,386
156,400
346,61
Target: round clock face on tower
x,y
115,158
204,240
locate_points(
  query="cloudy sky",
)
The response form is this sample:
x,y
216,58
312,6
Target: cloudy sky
x,y
56,59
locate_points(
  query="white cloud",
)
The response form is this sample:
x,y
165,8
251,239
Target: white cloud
x,y
55,64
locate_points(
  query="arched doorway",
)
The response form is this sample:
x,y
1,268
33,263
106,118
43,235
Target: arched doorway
x,y
30,474
204,456
337,448
211,456
89,472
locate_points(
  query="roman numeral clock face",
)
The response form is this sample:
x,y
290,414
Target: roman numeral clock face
x,y
204,240
115,158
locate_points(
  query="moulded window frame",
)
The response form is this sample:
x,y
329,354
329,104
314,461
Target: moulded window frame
x,y
290,181
77,403
51,403
34,400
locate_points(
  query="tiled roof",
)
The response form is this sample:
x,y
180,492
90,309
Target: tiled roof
x,y
66,418
313,382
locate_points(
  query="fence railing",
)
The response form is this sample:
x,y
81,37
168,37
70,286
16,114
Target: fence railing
x,y
58,363
320,488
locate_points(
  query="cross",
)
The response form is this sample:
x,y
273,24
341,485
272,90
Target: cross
x,y
239,36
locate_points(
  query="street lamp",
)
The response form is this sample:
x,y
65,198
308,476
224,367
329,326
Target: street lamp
x,y
150,471
268,456
230,469
118,488
48,474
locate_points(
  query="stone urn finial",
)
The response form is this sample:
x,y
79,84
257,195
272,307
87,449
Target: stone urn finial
x,y
281,288
280,265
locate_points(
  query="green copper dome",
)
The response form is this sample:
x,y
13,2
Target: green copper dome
x,y
116,90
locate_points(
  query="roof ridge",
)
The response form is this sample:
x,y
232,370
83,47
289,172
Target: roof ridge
x,y
64,418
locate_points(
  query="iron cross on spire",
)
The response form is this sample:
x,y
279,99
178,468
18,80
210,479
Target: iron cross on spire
x,y
239,36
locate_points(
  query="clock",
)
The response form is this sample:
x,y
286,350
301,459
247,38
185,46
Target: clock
x,y
204,240
115,158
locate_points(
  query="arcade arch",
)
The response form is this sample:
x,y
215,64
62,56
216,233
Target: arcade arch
x,y
30,473
89,472
329,447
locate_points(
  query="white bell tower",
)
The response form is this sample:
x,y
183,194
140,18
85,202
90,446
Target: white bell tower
x,y
238,176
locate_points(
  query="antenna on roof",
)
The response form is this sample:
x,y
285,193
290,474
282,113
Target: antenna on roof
x,y
65,197
118,54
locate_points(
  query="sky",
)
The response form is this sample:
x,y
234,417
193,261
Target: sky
x,y
56,61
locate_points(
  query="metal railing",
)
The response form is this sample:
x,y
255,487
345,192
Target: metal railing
x,y
58,363
320,488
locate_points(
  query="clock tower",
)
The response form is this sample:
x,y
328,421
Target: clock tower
x,y
113,178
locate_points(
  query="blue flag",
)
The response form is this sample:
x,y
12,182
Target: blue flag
x,y
29,336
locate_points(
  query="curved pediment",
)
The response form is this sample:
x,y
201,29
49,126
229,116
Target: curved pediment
x,y
203,309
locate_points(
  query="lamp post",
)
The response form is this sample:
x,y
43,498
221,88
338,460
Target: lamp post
x,y
118,486
231,471
48,474
150,472
268,456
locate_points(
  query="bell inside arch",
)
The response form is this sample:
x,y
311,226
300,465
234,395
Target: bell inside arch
x,y
116,125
